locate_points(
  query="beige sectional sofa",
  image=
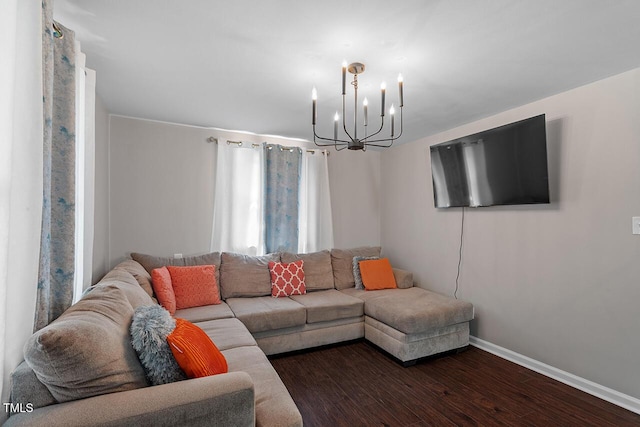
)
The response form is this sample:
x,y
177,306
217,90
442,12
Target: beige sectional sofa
x,y
409,323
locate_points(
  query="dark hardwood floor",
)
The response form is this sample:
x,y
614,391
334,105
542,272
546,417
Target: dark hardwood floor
x,y
357,385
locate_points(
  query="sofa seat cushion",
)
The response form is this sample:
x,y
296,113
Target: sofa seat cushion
x,y
310,335
228,333
265,313
413,310
323,306
205,312
273,403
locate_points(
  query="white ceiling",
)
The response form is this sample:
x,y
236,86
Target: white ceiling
x,y
251,65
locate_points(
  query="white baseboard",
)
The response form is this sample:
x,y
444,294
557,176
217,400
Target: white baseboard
x,y
597,390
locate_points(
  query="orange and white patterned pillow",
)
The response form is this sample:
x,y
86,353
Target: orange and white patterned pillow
x,y
287,279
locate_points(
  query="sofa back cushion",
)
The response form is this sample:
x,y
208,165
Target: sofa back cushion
x,y
151,262
342,262
318,272
142,276
245,275
87,350
124,280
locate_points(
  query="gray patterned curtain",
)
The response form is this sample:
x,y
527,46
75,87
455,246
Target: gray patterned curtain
x,y
56,275
282,180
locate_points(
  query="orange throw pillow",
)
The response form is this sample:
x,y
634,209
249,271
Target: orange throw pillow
x,y
161,282
377,274
194,351
194,286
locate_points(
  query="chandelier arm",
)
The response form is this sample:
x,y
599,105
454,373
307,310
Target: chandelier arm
x,y
331,144
380,145
401,126
392,139
376,143
344,123
331,140
375,133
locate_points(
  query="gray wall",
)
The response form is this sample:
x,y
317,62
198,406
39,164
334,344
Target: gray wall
x,y
162,180
354,178
559,283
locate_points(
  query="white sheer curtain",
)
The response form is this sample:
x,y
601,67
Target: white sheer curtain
x,y
85,172
20,178
238,210
315,223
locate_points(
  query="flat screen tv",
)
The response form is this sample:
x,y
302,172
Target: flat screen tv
x,y
502,166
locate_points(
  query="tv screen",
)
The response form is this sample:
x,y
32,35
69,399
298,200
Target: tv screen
x,y
502,166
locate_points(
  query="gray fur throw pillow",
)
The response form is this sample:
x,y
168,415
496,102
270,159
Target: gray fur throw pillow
x,y
357,277
150,327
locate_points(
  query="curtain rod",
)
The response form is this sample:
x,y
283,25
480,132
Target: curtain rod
x,y
255,145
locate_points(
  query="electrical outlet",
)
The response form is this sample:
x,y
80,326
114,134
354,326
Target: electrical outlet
x,y
635,225
177,256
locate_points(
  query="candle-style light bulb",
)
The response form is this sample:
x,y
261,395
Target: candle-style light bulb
x,y
336,119
314,111
344,76
392,111
400,82
365,104
383,89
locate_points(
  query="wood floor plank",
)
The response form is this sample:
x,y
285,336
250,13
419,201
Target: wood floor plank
x,y
357,385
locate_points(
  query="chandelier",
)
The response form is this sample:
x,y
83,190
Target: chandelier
x,y
351,140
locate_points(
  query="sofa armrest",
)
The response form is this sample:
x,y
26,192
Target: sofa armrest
x,y
404,278
219,400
